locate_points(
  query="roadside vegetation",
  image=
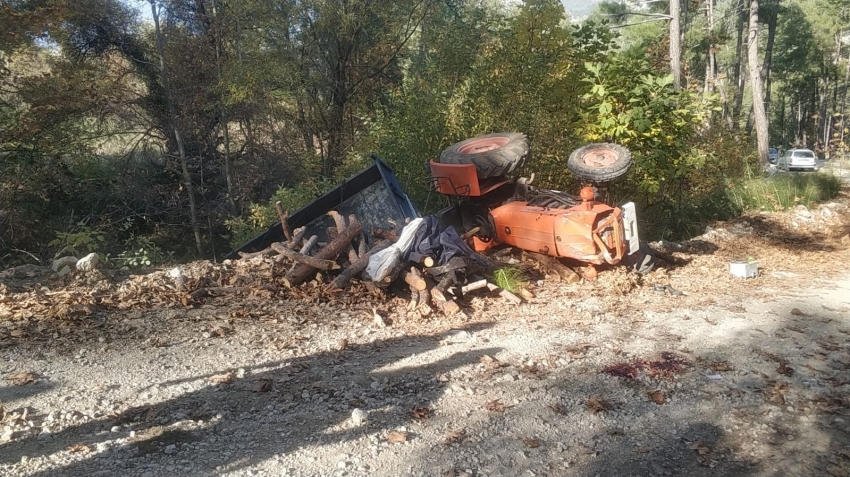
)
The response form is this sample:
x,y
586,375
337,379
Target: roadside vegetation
x,y
162,141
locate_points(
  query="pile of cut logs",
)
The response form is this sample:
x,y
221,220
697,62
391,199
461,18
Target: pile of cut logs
x,y
348,252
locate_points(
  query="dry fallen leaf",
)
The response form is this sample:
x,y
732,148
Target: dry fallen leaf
x,y
657,396
531,442
643,450
785,370
557,408
495,406
797,312
454,436
17,333
225,378
79,448
395,437
421,413
597,404
20,379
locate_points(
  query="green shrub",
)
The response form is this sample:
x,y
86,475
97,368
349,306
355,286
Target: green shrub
x,y
78,242
260,217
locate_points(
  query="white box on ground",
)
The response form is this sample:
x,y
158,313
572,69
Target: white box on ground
x,y
748,269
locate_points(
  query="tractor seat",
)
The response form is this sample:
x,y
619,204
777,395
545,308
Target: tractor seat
x,y
461,179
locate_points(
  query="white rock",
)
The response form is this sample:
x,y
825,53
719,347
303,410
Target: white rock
x,y
88,263
177,275
341,464
359,416
116,429
170,449
63,262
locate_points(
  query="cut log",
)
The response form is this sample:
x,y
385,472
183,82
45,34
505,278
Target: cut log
x,y
261,253
504,294
339,222
283,216
309,244
471,287
362,246
427,261
454,264
358,266
439,291
414,299
415,279
395,270
314,262
297,235
424,300
330,252
564,272
447,306
391,235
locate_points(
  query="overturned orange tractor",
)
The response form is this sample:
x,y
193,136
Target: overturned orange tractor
x,y
495,211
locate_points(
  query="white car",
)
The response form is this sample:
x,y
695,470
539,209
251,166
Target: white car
x,y
797,159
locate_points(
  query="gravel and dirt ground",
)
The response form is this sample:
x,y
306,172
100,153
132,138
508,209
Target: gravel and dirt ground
x,y
620,376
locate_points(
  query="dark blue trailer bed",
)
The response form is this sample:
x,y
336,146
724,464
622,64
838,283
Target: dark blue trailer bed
x,y
373,195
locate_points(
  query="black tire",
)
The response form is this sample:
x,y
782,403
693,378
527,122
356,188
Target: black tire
x,y
502,153
615,161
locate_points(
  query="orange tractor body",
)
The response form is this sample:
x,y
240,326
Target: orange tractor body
x,y
543,221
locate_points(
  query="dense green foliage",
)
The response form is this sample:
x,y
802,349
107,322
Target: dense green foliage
x,y
286,98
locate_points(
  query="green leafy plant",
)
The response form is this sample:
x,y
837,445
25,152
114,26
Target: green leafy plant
x,y
509,278
143,252
82,241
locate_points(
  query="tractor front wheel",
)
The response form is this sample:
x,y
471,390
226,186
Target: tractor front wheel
x,y
599,162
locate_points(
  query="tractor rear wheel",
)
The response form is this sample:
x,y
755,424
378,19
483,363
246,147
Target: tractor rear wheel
x,y
599,162
493,155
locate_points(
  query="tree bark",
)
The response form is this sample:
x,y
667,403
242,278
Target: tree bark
x,y
314,262
675,44
773,14
329,252
178,138
759,114
228,166
738,77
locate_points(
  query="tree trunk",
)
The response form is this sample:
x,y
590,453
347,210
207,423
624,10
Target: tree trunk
x,y
711,58
738,77
172,115
773,13
675,44
759,115
228,165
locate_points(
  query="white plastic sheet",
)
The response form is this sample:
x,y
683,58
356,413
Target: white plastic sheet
x,y
380,264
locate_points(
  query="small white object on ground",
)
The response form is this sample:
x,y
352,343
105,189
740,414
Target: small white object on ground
x,y
359,416
88,263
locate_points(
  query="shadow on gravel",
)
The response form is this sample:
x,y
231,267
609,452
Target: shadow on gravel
x,y
782,412
281,401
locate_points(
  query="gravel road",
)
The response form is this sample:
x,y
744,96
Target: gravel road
x,y
615,377
761,391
